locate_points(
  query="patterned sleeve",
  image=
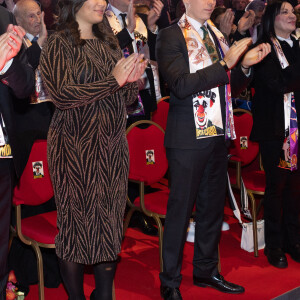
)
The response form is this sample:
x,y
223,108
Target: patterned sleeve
x,y
56,69
131,91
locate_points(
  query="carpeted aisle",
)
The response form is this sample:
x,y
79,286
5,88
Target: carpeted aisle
x,y
137,273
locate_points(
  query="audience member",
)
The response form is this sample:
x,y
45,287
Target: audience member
x,y
194,58
8,4
223,19
16,80
238,7
259,8
34,115
137,33
90,84
276,115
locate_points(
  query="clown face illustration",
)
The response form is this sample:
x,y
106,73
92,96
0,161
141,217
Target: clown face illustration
x,y
201,113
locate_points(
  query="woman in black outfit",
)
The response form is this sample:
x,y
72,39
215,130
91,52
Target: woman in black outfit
x,y
276,116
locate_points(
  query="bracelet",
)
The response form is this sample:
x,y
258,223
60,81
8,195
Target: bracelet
x,y
245,67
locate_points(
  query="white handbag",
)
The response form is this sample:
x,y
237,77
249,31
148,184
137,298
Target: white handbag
x,y
247,228
247,236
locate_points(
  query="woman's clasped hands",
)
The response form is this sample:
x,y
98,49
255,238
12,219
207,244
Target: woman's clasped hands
x,y
130,69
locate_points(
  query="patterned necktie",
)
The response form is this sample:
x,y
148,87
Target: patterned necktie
x,y
210,46
35,39
129,46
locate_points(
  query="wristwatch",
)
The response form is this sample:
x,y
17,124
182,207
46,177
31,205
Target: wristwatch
x,y
224,65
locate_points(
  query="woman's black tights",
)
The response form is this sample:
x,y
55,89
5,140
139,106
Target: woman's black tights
x,y
104,277
72,275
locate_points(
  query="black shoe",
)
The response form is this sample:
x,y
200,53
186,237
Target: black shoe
x,y
219,283
93,295
138,220
294,252
168,293
276,257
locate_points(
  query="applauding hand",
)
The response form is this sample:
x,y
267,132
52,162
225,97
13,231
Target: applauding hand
x,y
256,55
10,43
129,69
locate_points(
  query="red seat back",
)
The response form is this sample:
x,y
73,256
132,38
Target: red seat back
x,y
160,116
148,139
242,147
35,186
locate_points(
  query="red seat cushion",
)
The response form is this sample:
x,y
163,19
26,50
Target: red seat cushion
x,y
41,228
155,202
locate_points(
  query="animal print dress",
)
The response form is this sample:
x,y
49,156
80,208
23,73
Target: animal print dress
x,y
87,147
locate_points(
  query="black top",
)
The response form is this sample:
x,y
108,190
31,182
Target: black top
x,y
271,82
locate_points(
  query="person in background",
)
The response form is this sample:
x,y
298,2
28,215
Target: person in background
x,y
16,81
33,116
137,33
276,119
90,84
258,7
8,4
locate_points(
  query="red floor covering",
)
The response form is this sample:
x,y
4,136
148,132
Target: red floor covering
x,y
137,273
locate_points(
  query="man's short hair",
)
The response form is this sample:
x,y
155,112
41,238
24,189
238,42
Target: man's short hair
x,y
256,6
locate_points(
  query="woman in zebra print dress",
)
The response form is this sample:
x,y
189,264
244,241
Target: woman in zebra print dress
x,y
90,84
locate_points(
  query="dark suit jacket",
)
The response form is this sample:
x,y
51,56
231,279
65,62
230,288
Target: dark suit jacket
x,y
173,62
19,83
271,82
32,120
125,39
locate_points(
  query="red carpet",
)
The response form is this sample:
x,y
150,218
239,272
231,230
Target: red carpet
x,y
137,273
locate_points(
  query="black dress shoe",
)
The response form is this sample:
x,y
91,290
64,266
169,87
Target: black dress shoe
x,y
294,252
168,293
276,257
93,295
138,220
219,283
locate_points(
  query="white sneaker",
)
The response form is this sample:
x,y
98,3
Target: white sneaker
x,y
225,226
191,232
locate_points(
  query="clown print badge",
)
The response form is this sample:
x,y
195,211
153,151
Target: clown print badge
x,y
38,170
207,114
150,159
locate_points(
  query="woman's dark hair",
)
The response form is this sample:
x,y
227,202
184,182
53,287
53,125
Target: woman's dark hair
x,y
219,10
66,23
268,20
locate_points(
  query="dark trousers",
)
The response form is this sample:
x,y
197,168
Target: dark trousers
x,y
6,187
195,176
281,200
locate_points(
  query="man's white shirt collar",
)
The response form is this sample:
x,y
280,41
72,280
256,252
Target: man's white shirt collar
x,y
196,24
30,36
115,10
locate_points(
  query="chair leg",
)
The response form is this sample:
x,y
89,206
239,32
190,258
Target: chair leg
x,y
160,240
40,270
127,219
113,291
254,221
219,259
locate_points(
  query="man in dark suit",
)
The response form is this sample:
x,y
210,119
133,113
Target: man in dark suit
x,y
137,33
33,116
17,80
194,59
